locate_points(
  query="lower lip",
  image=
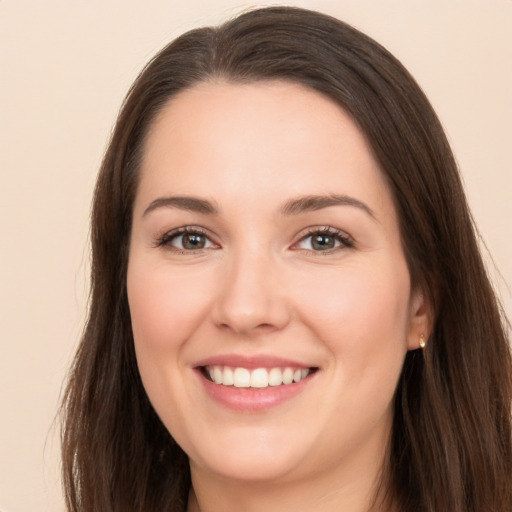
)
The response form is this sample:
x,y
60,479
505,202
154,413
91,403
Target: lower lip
x,y
253,399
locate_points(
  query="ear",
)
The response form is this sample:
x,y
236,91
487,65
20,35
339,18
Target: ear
x,y
420,319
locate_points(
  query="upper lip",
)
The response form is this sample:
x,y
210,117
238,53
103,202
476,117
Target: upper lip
x,y
243,361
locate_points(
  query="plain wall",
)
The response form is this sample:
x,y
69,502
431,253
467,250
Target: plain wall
x,y
66,66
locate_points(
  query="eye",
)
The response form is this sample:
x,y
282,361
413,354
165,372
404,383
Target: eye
x,y
325,239
185,240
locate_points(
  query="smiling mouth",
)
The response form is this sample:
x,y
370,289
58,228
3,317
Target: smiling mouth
x,y
256,378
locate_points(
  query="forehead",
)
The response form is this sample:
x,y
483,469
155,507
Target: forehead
x,y
251,140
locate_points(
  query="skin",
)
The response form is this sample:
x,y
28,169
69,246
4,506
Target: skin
x,y
259,287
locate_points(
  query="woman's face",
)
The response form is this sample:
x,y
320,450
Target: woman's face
x,y
265,248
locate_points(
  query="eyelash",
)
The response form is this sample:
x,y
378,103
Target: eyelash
x,y
345,241
165,240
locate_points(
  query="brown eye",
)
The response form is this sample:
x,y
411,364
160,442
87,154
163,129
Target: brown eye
x,y
186,240
325,240
193,241
322,242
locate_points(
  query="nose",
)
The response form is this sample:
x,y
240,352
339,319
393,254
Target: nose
x,y
251,299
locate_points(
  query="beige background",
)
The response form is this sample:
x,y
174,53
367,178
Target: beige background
x,y
66,65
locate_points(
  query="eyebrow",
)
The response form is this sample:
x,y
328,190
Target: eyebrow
x,y
317,202
193,204
292,207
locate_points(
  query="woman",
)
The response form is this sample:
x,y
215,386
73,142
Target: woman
x,y
288,307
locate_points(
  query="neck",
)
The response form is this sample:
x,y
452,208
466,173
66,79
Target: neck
x,y
354,491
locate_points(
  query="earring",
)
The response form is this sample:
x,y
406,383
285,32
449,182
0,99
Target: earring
x,y
423,343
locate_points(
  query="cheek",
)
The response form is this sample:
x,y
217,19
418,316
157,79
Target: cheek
x,y
165,307
360,312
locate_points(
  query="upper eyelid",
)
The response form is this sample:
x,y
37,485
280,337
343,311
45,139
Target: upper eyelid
x,y
184,230
329,230
165,237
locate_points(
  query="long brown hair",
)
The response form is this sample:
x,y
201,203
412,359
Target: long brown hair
x,y
451,446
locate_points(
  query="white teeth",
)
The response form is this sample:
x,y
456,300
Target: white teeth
x,y
228,379
275,377
287,376
242,378
217,375
257,378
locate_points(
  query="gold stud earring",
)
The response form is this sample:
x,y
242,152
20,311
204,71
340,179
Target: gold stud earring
x,y
423,343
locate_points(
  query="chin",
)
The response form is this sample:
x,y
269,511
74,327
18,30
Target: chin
x,y
252,468
251,456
